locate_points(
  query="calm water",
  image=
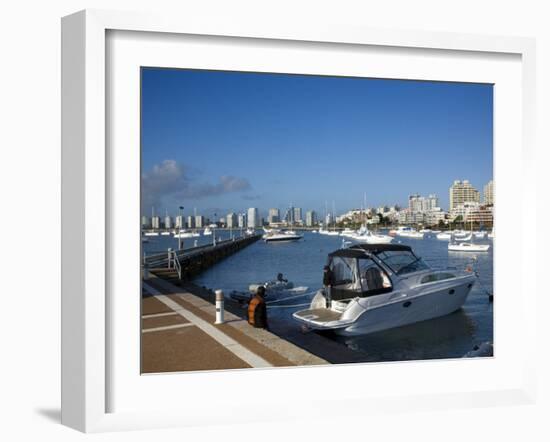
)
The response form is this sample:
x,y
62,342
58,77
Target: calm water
x,y
302,262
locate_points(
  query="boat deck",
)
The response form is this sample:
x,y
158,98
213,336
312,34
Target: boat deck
x,y
319,315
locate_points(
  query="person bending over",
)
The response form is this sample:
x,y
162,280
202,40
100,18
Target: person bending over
x,y
257,311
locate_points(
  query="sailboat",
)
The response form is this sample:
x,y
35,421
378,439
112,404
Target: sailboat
x,y
461,243
333,232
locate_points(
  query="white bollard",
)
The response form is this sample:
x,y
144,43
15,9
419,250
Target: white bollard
x,y
219,307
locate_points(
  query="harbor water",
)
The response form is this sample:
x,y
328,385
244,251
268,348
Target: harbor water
x,y
302,263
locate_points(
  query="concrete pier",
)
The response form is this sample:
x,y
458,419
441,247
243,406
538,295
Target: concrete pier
x,y
179,334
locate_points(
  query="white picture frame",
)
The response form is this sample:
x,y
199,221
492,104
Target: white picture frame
x,y
86,318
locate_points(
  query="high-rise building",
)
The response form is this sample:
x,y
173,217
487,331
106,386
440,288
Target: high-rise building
x,y
180,222
328,219
231,220
421,204
144,222
241,220
199,221
253,218
297,214
274,216
462,192
167,222
311,218
488,198
289,215
155,222
190,222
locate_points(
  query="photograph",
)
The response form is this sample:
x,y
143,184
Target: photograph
x,y
305,220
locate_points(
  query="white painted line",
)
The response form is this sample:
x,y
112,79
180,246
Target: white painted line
x,y
230,344
166,327
158,315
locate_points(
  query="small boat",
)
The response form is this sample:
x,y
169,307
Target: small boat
x,y
444,236
274,290
250,231
281,236
183,234
374,287
468,247
207,231
166,233
332,233
151,234
314,231
372,238
480,234
348,232
408,232
425,230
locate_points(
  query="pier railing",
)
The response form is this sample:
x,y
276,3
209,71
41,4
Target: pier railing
x,y
186,263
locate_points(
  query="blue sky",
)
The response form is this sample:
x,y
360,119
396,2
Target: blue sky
x,y
225,141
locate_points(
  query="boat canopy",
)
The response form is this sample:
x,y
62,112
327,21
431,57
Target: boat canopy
x,y
356,274
359,250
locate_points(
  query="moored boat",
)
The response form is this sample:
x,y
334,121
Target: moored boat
x,y
369,288
468,247
281,236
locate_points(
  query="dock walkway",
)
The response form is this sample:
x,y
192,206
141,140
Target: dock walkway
x,y
178,265
178,334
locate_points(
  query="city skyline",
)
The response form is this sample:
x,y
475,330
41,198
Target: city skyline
x,y
226,141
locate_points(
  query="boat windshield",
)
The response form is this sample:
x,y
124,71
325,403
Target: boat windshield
x,y
402,262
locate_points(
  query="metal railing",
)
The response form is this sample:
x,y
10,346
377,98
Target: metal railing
x,y
174,260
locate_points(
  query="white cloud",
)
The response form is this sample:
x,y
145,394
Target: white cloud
x,y
171,180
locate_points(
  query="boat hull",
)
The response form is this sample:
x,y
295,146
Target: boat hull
x,y
405,310
288,238
421,308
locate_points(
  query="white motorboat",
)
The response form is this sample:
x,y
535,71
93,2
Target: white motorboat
x,y
184,234
408,232
480,234
369,288
165,233
444,236
425,230
250,231
332,233
468,247
281,236
372,238
314,231
151,233
276,290
207,231
348,232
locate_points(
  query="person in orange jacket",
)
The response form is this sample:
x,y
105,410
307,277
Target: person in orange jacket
x,y
257,311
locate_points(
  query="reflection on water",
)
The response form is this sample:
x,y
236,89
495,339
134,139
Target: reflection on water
x,y
302,262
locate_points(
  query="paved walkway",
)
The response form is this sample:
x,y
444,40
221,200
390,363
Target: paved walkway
x,y
178,334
